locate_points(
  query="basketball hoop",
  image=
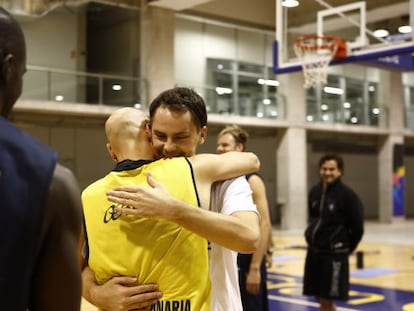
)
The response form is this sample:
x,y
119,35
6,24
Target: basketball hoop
x,y
315,53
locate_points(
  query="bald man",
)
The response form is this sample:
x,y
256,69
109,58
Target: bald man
x,y
154,250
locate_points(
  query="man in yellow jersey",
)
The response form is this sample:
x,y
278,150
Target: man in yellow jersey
x,y
152,249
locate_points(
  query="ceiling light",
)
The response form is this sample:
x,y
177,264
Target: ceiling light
x,y
290,3
268,82
59,98
333,90
223,90
267,101
116,87
347,105
404,29
381,33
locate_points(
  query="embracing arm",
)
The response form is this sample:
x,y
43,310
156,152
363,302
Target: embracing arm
x,y
120,293
260,199
57,278
214,167
238,231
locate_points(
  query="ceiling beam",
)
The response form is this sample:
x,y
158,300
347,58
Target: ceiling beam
x,y
176,5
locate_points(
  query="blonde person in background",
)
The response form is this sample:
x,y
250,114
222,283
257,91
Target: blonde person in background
x,y
252,267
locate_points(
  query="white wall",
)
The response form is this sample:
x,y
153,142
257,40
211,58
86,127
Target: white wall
x,y
52,41
82,149
195,41
189,56
360,173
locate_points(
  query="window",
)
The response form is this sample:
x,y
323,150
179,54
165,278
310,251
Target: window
x,y
344,100
243,89
409,106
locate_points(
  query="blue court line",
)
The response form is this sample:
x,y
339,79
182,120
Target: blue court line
x,y
285,293
284,258
372,272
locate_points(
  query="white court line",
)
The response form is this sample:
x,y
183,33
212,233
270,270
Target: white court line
x,y
305,302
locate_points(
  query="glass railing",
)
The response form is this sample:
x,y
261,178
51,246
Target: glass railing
x,y
409,117
346,101
342,113
51,84
220,100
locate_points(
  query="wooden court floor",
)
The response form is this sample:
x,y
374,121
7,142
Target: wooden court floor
x,y
385,283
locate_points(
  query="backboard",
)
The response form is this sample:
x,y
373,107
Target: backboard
x,y
355,23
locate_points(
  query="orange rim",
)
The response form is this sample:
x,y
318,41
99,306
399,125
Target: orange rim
x,y
299,42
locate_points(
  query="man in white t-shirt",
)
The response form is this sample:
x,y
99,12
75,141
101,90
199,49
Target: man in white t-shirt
x,y
227,197
178,125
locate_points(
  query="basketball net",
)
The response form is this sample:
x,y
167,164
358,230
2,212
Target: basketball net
x,y
315,53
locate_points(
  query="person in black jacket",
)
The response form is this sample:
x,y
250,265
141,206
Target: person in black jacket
x,y
334,231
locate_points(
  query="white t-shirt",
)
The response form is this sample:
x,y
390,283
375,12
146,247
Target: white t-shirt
x,y
227,197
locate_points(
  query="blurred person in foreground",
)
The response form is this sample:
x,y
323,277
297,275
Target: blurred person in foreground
x,y
40,202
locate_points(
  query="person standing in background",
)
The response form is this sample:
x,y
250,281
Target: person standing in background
x,y
40,202
252,267
336,225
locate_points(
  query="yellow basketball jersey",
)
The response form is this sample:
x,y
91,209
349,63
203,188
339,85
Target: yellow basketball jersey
x,y
155,251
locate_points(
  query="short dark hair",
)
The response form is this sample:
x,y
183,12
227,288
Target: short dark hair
x,y
12,46
11,35
334,157
181,99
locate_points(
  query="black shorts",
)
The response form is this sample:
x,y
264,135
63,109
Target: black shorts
x,y
326,275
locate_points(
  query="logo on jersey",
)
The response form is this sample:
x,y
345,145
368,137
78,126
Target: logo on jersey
x,y
172,305
111,214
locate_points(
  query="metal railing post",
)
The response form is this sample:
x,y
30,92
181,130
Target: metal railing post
x,y
100,91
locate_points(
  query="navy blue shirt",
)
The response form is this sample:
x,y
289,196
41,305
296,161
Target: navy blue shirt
x,y
26,171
